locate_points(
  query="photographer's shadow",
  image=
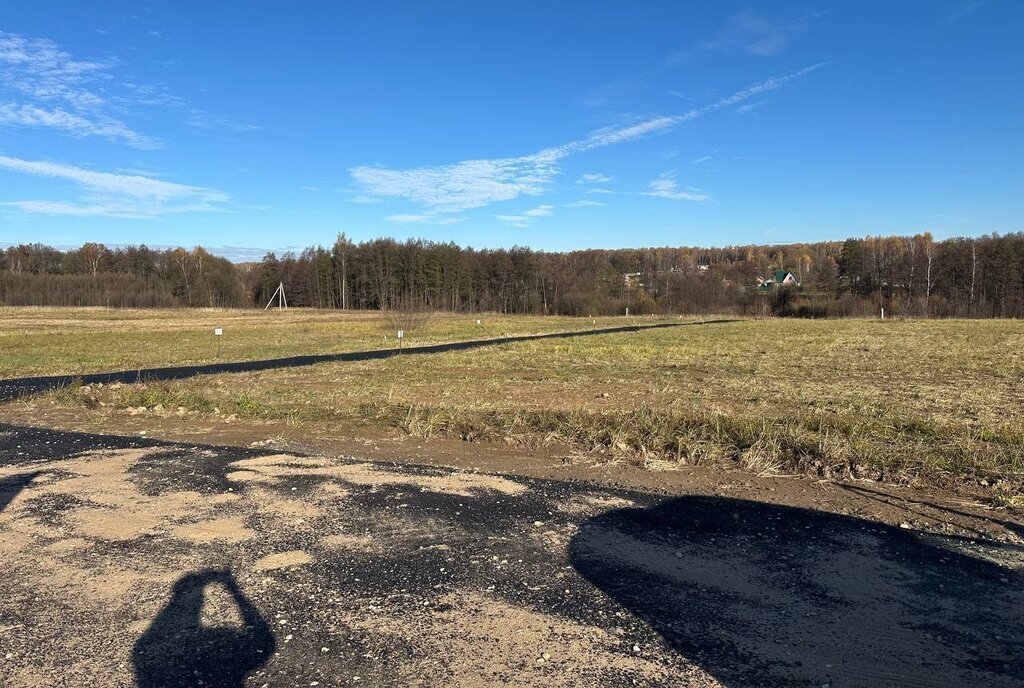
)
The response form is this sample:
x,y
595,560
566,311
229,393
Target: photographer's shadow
x,y
179,650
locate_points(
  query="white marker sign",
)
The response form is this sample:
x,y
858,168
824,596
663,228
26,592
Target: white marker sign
x,y
218,331
401,333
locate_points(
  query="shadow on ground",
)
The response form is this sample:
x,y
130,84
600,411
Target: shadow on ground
x,y
12,485
764,595
180,649
18,387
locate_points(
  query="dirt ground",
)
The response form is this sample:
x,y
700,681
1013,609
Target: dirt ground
x,y
961,512
239,555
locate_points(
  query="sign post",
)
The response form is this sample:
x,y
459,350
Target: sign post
x,y
401,336
218,332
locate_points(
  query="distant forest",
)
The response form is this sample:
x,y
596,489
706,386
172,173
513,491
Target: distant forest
x,y
908,276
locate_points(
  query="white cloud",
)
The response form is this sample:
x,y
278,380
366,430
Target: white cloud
x,y
525,218
595,178
113,195
665,186
747,107
64,93
32,116
407,218
44,86
583,204
426,218
461,186
771,84
608,137
37,67
514,220
476,183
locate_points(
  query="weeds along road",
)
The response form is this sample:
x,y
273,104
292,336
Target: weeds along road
x,y
139,562
18,387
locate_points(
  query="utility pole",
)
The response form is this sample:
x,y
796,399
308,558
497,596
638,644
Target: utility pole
x,y
282,300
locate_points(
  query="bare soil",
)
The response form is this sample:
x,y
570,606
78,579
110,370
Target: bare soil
x,y
954,509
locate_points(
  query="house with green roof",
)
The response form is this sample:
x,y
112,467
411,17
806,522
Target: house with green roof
x,y
781,278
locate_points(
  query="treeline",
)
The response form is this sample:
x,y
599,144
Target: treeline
x,y
908,276
132,277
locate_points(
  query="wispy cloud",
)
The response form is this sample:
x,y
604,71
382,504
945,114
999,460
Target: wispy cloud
x,y
595,178
476,183
37,67
32,116
113,195
610,92
704,158
756,34
666,186
44,86
747,107
61,92
583,204
460,186
540,211
204,120
748,32
525,218
423,218
964,10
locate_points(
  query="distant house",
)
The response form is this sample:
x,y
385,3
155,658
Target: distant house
x,y
781,278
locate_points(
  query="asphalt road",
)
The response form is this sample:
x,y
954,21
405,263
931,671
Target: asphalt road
x,y
136,562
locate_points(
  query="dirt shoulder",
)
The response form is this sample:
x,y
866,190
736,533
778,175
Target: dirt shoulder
x,y
962,512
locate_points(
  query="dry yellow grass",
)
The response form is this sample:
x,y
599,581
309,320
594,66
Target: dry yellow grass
x,y
50,341
880,399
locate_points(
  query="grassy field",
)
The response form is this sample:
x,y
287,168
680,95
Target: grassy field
x,y
936,400
49,341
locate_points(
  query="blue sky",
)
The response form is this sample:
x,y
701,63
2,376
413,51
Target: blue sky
x,y
552,125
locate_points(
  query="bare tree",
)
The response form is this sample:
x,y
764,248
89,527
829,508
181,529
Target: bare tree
x,y
182,260
92,254
408,315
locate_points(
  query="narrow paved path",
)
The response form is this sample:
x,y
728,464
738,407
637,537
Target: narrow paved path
x,y
16,387
129,561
